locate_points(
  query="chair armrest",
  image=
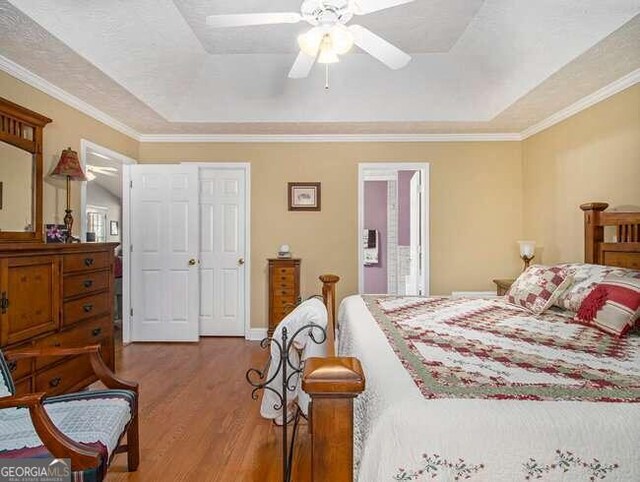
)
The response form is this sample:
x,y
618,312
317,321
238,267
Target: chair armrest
x,y
100,368
62,447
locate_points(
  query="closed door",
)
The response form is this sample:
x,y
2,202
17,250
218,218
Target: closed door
x,y
222,251
164,259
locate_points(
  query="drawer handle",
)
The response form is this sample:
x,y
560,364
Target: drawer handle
x,y
87,308
88,283
57,344
88,261
54,382
96,331
12,366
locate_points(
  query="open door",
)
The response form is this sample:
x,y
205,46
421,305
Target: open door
x,y
414,279
164,253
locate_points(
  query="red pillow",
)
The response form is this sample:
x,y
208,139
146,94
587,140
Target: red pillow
x,y
613,306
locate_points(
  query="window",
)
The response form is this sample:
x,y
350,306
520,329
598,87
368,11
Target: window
x,y
97,223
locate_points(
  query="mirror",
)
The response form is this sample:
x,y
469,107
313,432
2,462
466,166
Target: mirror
x,y
21,132
16,189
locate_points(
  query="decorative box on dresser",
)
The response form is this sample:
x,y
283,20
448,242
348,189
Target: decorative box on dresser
x,y
56,295
284,289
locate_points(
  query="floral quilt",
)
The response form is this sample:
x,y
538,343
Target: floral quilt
x,y
476,389
484,348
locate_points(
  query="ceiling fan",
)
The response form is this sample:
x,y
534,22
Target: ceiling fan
x,y
329,37
94,171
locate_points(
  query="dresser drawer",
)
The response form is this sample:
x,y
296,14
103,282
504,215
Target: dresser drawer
x,y
86,283
20,368
87,307
283,302
67,376
287,279
23,386
87,333
85,262
280,291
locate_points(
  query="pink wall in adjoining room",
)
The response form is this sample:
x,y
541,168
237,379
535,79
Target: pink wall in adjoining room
x,y
404,207
375,217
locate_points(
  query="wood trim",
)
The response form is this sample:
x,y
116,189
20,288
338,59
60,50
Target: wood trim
x,y
15,121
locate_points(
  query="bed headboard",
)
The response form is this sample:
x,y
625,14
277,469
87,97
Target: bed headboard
x,y
625,250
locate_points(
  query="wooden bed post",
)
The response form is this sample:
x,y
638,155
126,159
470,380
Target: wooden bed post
x,y
332,383
593,231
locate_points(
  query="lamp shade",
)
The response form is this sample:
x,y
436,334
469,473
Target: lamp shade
x,y
69,166
527,248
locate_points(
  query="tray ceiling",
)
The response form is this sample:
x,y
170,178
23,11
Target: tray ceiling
x,y
478,66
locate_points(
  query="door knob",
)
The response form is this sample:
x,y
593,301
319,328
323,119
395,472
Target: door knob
x,y
241,261
193,262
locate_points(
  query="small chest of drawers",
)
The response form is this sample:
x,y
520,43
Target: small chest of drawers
x,y
284,289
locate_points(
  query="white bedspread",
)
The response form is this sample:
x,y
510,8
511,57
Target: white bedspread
x,y
310,312
400,435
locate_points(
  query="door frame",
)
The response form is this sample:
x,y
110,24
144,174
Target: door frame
x,y
424,167
249,333
85,145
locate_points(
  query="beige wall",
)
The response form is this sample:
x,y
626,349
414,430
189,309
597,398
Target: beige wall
x,y
66,130
476,195
484,196
593,156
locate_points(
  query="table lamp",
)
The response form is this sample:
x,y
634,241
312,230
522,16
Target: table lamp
x,y
69,167
527,252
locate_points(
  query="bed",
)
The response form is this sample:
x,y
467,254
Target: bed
x,y
479,389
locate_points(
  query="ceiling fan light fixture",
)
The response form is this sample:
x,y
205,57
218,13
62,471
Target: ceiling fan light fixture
x,y
310,41
341,39
327,52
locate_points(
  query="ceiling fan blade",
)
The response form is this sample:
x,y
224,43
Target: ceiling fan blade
x,y
249,19
302,66
377,47
363,7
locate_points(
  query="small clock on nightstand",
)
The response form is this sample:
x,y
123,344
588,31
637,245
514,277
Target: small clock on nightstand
x,y
503,286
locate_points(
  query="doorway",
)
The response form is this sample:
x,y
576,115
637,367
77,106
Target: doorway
x,y
104,216
393,228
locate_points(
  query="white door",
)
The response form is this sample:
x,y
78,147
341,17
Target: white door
x,y
164,260
222,251
414,280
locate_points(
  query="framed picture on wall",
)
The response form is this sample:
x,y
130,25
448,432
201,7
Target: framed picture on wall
x,y
304,196
113,228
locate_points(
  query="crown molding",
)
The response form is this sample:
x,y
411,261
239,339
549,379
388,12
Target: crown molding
x,y
607,91
28,77
299,138
34,80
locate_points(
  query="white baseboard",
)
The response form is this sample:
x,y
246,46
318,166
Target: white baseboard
x,y
256,334
473,294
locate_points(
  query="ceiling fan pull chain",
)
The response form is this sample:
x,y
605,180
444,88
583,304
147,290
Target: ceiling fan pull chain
x,y
326,77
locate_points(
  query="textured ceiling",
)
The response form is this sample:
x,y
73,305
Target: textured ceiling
x,y
498,76
418,27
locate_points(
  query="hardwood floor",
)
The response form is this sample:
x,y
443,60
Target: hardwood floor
x,y
197,419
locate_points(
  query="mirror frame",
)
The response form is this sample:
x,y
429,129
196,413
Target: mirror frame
x,y
23,129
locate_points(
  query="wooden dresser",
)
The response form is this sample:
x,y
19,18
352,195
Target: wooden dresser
x,y
284,289
56,295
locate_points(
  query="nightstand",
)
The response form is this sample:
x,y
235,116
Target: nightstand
x,y
503,286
